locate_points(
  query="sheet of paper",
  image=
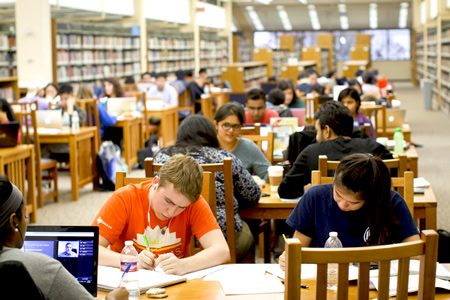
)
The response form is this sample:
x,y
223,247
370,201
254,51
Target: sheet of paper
x,y
414,268
250,270
413,284
308,270
421,182
204,272
242,284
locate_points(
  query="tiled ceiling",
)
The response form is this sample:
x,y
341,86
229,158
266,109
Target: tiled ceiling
x,y
357,12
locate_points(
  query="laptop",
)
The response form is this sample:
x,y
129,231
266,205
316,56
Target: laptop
x,y
394,118
337,89
51,119
76,247
8,134
144,87
121,106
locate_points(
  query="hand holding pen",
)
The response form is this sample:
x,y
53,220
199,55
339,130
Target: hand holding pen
x,y
147,258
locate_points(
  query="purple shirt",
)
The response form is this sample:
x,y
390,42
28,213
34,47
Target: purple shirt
x,y
362,120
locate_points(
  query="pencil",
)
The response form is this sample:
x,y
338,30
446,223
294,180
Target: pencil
x,y
146,242
284,237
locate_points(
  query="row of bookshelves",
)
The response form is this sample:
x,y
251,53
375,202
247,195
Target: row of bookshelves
x,y
213,54
169,55
244,76
7,42
242,49
75,41
8,59
86,73
171,66
96,57
159,43
7,93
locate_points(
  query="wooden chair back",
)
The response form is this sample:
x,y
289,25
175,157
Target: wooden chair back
x,y
130,87
141,100
207,106
311,106
258,140
426,248
93,117
372,113
184,102
255,129
226,168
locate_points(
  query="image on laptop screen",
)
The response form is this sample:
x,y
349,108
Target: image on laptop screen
x,y
76,247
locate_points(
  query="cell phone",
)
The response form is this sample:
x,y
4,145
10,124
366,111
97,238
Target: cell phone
x,y
419,191
264,195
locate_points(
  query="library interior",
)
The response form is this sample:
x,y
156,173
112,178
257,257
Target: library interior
x,y
295,120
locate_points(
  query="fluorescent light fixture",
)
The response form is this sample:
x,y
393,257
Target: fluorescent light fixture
x,y
266,2
423,16
303,1
313,17
433,9
254,17
373,16
403,15
343,20
284,18
342,8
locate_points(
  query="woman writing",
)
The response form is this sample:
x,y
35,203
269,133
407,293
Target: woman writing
x,y
57,283
359,205
197,137
351,99
229,119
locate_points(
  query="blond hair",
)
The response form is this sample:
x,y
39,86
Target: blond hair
x,y
85,92
185,174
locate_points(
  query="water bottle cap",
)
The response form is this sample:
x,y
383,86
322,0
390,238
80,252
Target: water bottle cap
x,y
128,243
333,234
398,129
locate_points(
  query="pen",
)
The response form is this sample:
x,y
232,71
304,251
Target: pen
x,y
125,272
303,286
284,237
146,242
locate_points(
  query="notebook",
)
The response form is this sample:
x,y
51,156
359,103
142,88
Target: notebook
x,y
121,106
49,119
109,279
76,247
8,134
394,118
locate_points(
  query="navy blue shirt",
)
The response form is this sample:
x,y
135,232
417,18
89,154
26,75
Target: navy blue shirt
x,y
317,213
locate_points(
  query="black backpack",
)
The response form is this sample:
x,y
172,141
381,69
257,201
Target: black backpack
x,y
444,246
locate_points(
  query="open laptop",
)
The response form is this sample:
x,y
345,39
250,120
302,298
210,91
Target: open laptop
x,y
394,118
8,134
76,247
122,106
144,86
51,119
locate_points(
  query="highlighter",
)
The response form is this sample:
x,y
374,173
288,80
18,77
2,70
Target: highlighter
x,y
146,242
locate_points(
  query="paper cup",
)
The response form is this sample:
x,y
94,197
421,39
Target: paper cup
x,y
275,177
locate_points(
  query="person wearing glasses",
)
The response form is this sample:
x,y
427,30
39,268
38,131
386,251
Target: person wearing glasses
x,y
197,137
256,111
229,119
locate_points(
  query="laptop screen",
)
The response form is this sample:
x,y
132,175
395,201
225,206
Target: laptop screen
x,y
8,134
76,247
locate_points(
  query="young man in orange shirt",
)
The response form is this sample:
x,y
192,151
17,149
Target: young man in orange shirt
x,y
167,210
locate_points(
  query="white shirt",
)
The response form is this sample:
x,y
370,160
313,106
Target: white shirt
x,y
169,94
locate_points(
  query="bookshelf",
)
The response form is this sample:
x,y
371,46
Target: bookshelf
x,y
170,51
431,59
363,39
213,54
327,41
9,88
289,71
445,65
241,49
274,58
318,54
85,52
291,42
360,52
419,56
245,76
8,59
350,67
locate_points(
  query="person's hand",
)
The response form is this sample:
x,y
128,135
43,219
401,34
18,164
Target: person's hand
x,y
170,264
118,294
147,260
282,261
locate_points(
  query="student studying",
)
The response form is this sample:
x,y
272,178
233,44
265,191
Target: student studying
x,y
256,111
359,205
166,211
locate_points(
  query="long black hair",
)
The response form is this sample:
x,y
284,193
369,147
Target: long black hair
x,y
352,93
284,85
5,191
5,107
369,179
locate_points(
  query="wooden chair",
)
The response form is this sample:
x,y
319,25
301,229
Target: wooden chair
x,y
130,87
426,248
372,112
207,106
311,106
255,129
184,102
226,168
258,140
141,102
31,136
93,117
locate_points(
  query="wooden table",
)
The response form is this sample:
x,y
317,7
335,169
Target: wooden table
x,y
220,98
133,138
199,289
169,123
82,155
412,160
19,164
406,130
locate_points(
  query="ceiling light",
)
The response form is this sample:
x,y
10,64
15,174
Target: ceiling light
x,y
373,16
254,17
284,18
266,2
343,20
303,1
403,15
314,18
342,8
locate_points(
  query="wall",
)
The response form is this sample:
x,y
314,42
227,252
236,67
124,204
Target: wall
x,y
392,70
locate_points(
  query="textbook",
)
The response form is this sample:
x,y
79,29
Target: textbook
x,y
109,279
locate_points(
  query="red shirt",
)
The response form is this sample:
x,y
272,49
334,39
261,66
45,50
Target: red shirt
x,y
268,113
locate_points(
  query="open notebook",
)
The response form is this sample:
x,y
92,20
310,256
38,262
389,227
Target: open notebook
x,y
109,279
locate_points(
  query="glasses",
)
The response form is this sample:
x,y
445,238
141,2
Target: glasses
x,y
227,126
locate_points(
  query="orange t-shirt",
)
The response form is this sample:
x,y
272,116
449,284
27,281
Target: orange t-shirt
x,y
124,217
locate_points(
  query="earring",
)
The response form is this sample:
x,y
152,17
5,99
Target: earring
x,y
16,230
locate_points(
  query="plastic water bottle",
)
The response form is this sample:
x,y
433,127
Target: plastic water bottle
x,y
66,120
332,242
75,121
206,89
398,139
129,256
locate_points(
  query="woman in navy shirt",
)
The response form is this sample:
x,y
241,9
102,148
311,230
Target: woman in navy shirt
x,y
359,205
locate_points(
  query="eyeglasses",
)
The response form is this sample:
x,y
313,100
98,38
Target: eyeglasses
x,y
227,126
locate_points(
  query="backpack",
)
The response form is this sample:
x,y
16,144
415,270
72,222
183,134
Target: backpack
x,y
109,161
444,246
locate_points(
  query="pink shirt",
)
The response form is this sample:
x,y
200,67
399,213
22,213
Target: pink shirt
x,y
268,113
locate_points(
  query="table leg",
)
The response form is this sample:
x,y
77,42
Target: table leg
x,y
430,218
127,145
31,177
413,166
73,162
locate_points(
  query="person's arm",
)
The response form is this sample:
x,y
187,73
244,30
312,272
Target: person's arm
x,y
305,240
260,163
293,182
215,252
106,120
412,238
